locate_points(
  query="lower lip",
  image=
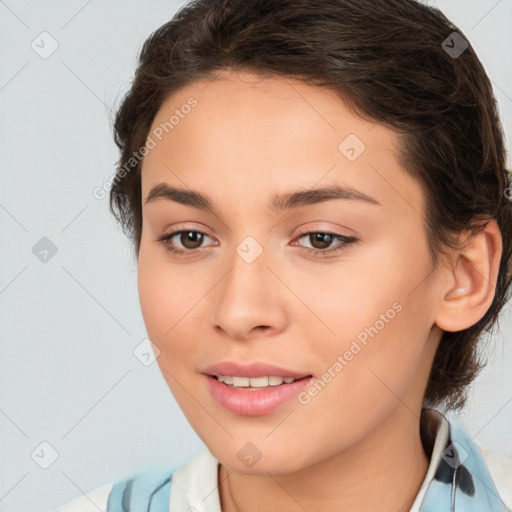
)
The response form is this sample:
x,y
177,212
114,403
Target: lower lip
x,y
255,401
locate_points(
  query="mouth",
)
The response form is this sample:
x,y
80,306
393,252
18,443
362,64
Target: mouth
x,y
254,389
249,400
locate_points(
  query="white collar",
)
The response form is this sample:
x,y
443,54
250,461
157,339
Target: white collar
x,y
195,485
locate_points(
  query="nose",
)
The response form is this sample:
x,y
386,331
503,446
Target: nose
x,y
250,300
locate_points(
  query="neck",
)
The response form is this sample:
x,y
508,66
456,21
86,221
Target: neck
x,y
384,471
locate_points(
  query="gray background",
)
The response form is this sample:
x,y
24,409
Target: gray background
x,y
69,326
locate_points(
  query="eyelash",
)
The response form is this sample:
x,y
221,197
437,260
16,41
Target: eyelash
x,y
346,242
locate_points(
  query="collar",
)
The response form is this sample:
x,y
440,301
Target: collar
x,y
457,478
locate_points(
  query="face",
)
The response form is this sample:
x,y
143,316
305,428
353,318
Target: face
x,y
311,257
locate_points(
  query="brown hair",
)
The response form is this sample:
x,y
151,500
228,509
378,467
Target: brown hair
x,y
395,62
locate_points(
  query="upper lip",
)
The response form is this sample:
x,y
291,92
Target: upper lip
x,y
251,370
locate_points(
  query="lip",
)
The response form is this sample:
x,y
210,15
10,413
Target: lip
x,y
256,369
254,401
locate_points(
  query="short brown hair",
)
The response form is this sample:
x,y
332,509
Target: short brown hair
x,y
387,59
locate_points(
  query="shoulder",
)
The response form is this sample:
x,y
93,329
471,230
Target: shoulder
x,y
144,491
500,468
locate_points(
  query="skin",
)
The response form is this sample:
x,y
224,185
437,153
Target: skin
x,y
356,445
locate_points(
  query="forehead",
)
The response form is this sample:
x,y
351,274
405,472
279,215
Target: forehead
x,y
257,133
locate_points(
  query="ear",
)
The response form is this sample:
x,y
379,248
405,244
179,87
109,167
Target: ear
x,y
468,284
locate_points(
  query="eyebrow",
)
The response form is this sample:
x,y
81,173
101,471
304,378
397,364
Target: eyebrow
x,y
278,203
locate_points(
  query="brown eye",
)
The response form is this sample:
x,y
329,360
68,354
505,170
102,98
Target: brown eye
x,y
321,243
183,242
191,239
321,240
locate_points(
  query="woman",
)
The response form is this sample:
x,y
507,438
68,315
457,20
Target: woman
x,y
318,201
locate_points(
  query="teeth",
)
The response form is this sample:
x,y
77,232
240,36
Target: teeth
x,y
275,381
241,381
256,382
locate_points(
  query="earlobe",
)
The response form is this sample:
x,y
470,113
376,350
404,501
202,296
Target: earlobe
x,y
468,286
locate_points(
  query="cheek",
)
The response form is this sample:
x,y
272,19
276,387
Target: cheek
x,y
378,319
362,292
168,300
172,300
166,293
361,382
